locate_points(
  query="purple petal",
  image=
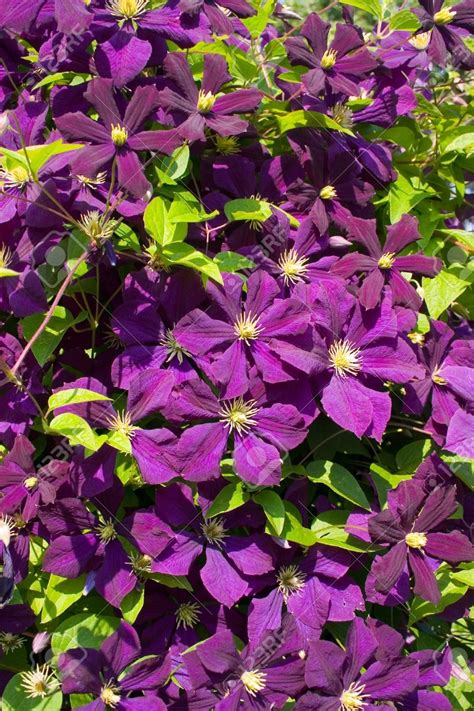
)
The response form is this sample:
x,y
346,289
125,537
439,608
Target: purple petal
x,y
221,579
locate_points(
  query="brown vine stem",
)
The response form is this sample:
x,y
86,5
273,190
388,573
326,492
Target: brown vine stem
x,y
50,312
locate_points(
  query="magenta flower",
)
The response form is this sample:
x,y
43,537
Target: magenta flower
x,y
71,17
446,27
115,671
240,333
215,12
198,109
119,136
383,267
410,527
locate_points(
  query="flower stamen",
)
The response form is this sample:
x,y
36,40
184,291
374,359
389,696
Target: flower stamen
x,y
353,698
247,328
238,415
119,135
205,102
40,682
187,615
386,260
110,694
214,531
328,193
254,681
127,9
292,266
122,422
290,580
329,58
344,358
416,540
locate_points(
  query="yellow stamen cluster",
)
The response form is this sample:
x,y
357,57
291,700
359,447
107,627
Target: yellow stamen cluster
x,y
227,145
386,260
416,540
417,338
437,378
247,327
7,529
40,682
444,16
107,532
173,347
293,267
9,642
328,193
254,681
290,580
344,358
97,226
99,179
6,256
122,422
119,135
141,564
110,694
214,530
187,615
353,698
127,9
420,41
206,100
238,415
342,115
328,59
30,482
16,177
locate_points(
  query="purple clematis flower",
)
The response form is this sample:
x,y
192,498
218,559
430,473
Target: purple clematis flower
x,y
448,378
447,27
240,333
382,265
198,109
262,676
336,681
333,188
435,670
83,543
314,588
357,352
261,433
72,17
336,67
410,526
119,137
230,561
113,672
216,13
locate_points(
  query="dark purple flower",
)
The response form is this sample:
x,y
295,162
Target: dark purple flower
x,y
351,679
113,672
338,66
447,27
332,188
382,265
262,676
198,109
241,333
230,561
410,527
119,137
72,17
215,12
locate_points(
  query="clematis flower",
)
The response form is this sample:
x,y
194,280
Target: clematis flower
x,y
71,18
448,377
259,434
198,109
218,12
435,670
336,681
84,543
314,588
446,27
230,560
382,266
333,188
262,676
238,334
119,136
410,526
113,672
338,66
356,352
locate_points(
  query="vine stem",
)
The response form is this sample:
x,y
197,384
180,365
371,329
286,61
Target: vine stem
x,y
50,312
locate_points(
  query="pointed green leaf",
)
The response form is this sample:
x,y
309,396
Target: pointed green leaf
x,y
339,479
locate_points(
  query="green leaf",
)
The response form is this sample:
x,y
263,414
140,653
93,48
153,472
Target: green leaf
x,y
405,193
156,222
229,498
83,630
466,577
172,581
248,209
293,529
309,119
132,604
329,530
451,592
274,509
119,440
174,166
339,479
35,157
60,594
187,256
463,236
73,396
410,456
258,22
442,291
462,468
127,238
404,20
52,335
232,262
373,7
384,481
15,698
76,429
